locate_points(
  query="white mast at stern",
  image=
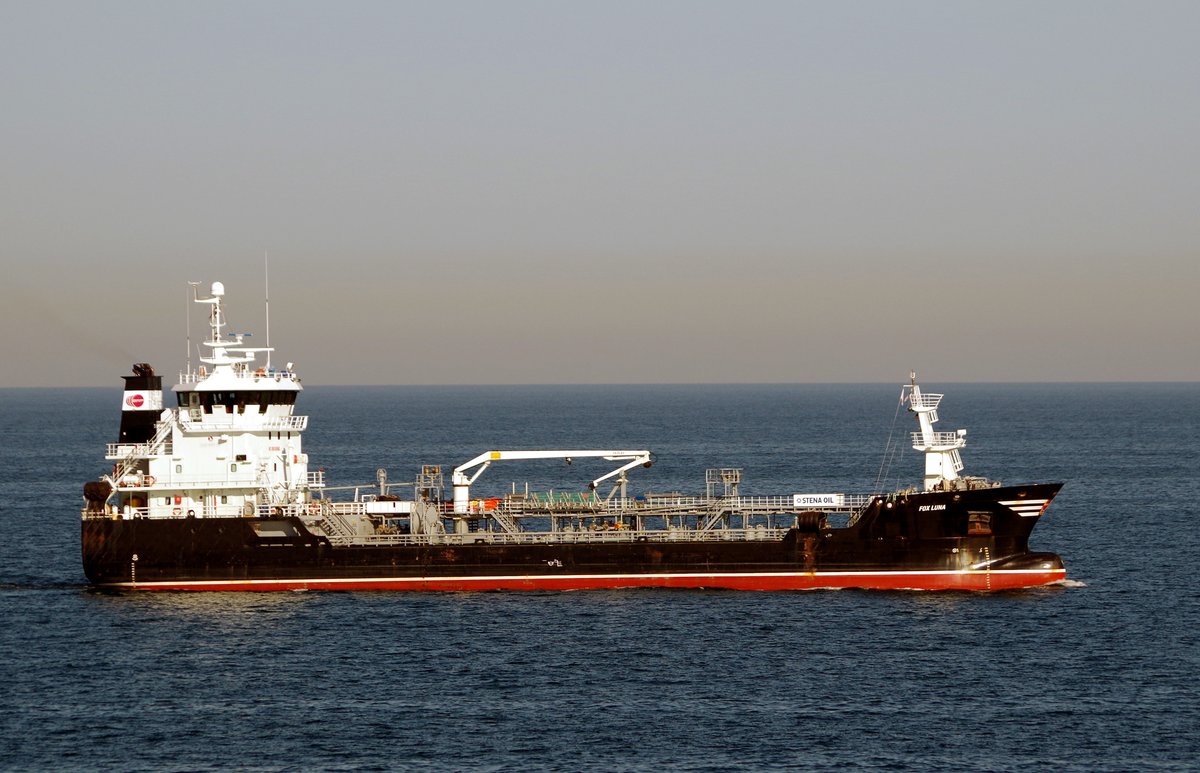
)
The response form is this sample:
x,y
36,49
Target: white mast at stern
x,y
943,463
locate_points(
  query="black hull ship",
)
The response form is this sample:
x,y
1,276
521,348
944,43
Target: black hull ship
x,y
214,493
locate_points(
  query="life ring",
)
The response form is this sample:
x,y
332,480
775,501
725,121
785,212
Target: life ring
x,y
314,508
177,512
278,378
149,480
191,513
210,438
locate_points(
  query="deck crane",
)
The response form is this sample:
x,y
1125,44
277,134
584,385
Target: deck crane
x,y
461,479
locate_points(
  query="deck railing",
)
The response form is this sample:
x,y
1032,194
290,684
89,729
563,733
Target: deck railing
x,y
247,374
252,421
651,505
938,439
926,400
755,533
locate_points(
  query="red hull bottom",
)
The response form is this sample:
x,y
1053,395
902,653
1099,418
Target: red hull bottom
x,y
1008,579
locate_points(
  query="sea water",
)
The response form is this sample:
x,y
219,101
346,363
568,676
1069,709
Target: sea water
x,y
1099,674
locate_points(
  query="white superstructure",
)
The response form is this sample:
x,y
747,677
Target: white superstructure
x,y
230,446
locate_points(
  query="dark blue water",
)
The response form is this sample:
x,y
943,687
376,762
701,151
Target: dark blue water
x,y
1098,676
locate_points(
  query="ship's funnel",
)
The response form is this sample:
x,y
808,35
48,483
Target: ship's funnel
x,y
141,404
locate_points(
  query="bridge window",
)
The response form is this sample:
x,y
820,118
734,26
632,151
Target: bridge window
x,y
228,401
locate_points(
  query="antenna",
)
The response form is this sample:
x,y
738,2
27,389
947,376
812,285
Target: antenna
x,y
267,299
187,307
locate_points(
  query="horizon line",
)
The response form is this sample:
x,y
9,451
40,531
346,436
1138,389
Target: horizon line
x,y
1065,382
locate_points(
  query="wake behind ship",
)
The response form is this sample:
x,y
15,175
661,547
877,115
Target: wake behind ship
x,y
214,492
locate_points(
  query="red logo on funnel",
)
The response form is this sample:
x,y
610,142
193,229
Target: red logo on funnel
x,y
135,401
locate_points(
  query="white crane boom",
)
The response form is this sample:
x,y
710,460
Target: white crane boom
x,y
462,480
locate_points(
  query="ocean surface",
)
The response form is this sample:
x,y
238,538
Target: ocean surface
x,y
1102,674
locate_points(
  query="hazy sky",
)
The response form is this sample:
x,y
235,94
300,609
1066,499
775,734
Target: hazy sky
x,y
565,192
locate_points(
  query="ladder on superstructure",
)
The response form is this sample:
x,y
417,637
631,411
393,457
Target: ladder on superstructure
x,y
153,448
